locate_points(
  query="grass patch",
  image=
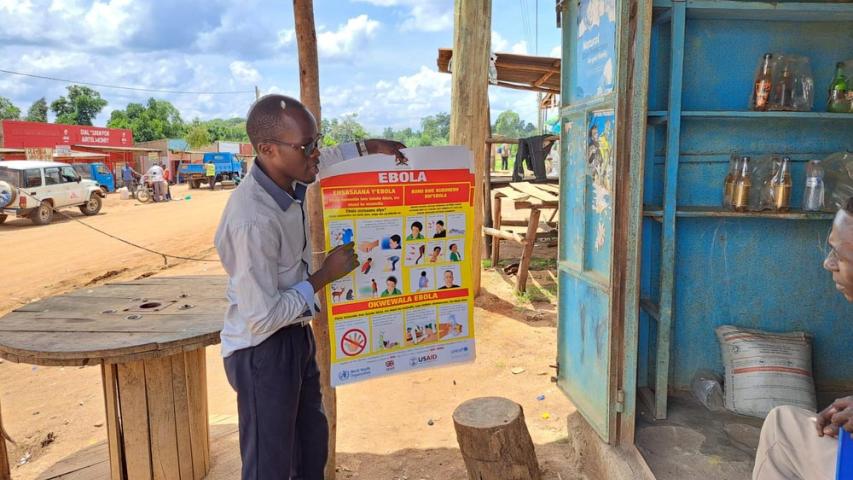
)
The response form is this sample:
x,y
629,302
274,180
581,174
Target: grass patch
x,y
535,294
543,263
487,263
522,297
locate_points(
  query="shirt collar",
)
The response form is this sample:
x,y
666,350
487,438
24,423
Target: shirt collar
x,y
281,197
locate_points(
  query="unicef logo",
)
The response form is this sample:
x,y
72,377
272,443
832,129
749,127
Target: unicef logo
x,y
343,375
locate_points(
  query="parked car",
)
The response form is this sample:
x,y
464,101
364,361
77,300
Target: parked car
x,y
35,189
97,172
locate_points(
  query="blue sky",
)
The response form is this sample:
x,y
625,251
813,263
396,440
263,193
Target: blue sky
x,y
377,57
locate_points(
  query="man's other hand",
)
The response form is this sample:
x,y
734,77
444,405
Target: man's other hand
x,y
843,409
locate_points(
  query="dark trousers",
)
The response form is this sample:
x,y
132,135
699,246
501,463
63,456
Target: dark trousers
x,y
504,163
283,429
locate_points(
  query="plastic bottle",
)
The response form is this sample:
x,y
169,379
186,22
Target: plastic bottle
x,y
813,198
740,198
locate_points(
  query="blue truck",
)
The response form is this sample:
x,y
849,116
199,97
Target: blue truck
x,y
97,172
228,167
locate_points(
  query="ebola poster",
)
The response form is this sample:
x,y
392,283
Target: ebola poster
x,y
409,304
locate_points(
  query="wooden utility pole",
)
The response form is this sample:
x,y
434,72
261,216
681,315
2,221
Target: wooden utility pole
x,y
309,91
469,101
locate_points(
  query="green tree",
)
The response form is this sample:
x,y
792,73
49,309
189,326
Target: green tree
x,y
228,130
38,111
155,120
435,130
197,136
8,111
509,124
81,106
343,130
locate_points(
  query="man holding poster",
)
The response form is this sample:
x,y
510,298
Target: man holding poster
x,y
267,342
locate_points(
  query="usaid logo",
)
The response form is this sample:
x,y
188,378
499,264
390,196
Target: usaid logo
x,y
422,359
343,375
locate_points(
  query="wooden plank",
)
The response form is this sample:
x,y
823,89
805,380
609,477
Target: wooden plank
x,y
527,253
548,199
197,401
510,193
504,236
555,189
182,415
109,381
161,419
133,404
673,145
91,463
496,222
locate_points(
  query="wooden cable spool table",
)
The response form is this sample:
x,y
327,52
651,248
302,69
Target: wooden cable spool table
x,y
149,337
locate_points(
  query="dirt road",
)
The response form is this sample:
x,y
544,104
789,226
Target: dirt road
x,y
384,429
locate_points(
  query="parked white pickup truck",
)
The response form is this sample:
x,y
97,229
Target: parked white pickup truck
x,y
35,189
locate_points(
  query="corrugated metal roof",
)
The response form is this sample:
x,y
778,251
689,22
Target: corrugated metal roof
x,y
522,72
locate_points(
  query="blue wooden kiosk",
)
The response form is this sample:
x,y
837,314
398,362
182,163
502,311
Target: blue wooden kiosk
x,y
655,98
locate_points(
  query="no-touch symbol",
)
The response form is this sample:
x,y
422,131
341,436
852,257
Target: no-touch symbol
x,y
353,342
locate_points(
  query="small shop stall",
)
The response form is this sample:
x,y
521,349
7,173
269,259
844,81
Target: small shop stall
x,y
657,98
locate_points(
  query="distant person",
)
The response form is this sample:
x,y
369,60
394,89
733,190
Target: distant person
x,y
436,252
503,151
129,176
423,282
155,176
795,444
417,228
210,173
167,177
391,287
455,256
448,281
440,232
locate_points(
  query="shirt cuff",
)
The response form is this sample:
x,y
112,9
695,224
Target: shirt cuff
x,y
307,291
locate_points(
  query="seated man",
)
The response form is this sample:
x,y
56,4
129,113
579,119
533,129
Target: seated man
x,y
796,444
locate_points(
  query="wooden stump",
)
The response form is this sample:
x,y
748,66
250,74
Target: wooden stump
x,y
4,455
494,440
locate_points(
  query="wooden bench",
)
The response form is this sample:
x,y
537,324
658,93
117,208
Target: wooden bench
x,y
525,196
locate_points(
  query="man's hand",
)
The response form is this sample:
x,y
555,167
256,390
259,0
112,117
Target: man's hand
x,y
368,246
826,419
339,262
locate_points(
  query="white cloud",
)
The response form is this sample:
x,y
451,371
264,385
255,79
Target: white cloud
x,y
557,51
499,43
421,15
244,72
286,37
347,37
519,48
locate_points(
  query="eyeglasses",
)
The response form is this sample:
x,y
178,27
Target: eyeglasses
x,y
308,149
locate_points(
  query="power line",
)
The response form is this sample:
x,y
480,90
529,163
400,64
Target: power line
x,y
135,89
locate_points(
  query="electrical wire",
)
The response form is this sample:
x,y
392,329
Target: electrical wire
x,y
135,89
165,256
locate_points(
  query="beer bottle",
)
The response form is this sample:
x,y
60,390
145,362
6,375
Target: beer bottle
x,y
837,102
782,186
740,198
729,185
763,85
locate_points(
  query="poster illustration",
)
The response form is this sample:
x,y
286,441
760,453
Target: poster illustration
x,y
599,159
595,57
409,304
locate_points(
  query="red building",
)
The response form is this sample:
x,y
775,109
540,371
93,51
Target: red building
x,y
71,143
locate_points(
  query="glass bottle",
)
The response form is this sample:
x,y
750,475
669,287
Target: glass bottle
x,y
740,197
763,84
783,92
781,184
837,101
731,178
813,198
